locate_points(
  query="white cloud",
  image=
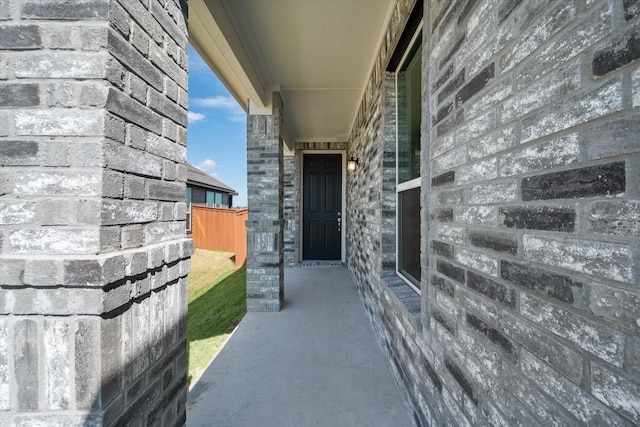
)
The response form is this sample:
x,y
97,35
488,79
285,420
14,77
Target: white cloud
x,y
224,103
196,63
206,165
194,117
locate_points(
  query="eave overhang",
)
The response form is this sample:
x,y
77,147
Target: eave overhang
x,y
319,54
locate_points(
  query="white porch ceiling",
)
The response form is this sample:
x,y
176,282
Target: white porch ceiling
x,y
318,53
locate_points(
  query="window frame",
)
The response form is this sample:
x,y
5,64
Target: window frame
x,y
415,182
188,216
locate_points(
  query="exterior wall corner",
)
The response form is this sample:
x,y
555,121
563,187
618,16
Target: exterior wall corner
x,y
93,255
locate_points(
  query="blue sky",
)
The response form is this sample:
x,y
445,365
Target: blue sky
x,y
217,130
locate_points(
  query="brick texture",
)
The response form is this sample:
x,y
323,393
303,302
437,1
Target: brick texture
x,y
93,255
265,226
529,167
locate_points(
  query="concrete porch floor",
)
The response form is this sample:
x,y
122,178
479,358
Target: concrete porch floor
x,y
315,363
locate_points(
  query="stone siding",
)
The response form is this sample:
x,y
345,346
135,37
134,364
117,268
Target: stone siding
x,y
291,210
265,226
93,255
530,175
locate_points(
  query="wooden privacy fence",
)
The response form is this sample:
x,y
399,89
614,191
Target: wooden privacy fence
x,y
219,229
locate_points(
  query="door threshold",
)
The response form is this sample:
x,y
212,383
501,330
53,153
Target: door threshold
x,y
320,263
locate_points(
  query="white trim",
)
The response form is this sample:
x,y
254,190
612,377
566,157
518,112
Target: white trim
x,y
343,237
189,213
407,185
409,282
211,35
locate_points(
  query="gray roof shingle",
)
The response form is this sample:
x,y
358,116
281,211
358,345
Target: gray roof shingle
x,y
196,177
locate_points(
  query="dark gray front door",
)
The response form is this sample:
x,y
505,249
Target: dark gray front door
x,y
322,207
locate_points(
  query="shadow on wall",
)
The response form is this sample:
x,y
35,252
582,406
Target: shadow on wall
x,y
144,355
144,361
144,351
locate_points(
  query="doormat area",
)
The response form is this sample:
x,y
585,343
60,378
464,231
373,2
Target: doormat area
x,y
318,264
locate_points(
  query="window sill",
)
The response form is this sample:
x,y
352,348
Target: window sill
x,y
407,297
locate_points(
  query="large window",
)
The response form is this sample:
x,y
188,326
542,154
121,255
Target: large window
x,y
409,115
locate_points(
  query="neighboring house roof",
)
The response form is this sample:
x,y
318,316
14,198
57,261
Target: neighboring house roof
x,y
198,178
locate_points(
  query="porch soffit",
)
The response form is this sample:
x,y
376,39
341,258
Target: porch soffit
x,y
318,53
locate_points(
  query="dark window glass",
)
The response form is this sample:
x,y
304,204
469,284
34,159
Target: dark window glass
x,y
409,234
409,99
198,196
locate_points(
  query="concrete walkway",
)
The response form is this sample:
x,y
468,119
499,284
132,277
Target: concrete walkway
x,y
315,363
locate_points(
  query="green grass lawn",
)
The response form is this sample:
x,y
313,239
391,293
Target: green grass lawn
x,y
217,303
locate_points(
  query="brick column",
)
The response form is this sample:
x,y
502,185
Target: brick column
x,y
265,226
93,259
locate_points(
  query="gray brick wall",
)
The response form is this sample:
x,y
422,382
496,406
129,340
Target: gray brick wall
x,y
291,207
530,167
93,259
265,225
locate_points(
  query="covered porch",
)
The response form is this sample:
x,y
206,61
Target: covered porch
x,y
301,71
491,225
316,362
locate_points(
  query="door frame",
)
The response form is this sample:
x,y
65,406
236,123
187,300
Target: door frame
x,y
343,240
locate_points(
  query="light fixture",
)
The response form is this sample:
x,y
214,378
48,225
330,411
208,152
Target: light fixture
x,y
352,165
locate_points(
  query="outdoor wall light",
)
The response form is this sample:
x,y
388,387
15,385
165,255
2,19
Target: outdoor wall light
x,y
352,165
